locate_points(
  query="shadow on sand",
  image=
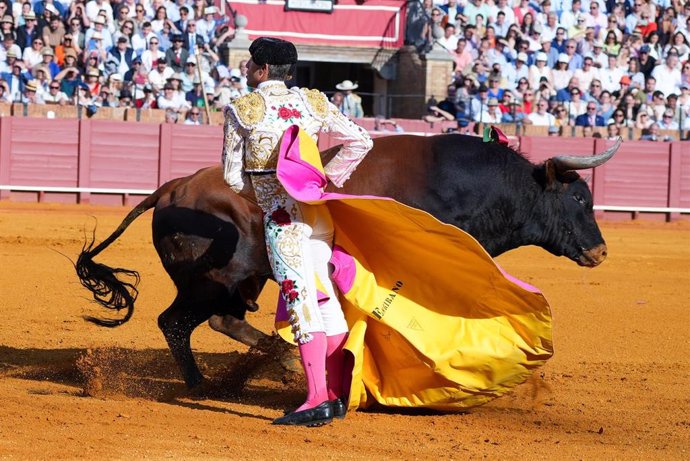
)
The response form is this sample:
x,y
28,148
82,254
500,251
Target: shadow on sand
x,y
252,377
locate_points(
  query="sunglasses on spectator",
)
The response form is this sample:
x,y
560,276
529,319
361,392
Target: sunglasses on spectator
x,y
618,115
139,10
195,113
54,87
591,108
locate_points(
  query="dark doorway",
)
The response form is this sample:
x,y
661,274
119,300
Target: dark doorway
x,y
325,76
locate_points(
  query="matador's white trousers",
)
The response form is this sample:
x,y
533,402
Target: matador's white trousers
x,y
299,238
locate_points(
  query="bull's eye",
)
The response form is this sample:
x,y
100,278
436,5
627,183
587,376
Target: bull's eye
x,y
579,199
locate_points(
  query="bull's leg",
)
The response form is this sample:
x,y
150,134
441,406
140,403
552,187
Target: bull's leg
x,y
177,323
239,330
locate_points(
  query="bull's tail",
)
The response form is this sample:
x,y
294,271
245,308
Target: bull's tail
x,y
107,284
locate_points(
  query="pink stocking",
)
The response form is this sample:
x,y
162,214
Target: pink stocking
x,y
313,357
335,363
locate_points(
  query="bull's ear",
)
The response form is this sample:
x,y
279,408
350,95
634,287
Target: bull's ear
x,y
551,182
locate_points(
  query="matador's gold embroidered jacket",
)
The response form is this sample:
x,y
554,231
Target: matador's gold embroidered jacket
x,y
255,123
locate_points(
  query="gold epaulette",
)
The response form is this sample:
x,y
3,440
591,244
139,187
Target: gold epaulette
x,y
249,109
317,102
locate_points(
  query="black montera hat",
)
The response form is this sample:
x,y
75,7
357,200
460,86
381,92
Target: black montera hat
x,y
269,50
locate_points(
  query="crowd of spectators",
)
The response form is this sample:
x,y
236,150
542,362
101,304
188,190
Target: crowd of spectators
x,y
592,63
118,53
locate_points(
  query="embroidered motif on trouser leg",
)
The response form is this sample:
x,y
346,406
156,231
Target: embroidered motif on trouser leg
x,y
289,249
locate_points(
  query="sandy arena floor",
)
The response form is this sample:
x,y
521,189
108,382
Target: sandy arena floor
x,y
618,386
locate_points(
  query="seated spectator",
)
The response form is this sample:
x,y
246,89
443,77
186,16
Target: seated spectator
x,y
125,99
145,98
54,95
61,50
437,115
555,130
115,84
561,74
32,55
539,70
562,117
668,121
384,125
125,29
160,18
176,56
92,82
191,73
31,95
105,98
152,55
171,116
651,133
48,63
495,91
191,38
98,37
54,31
206,25
591,118
515,113
167,100
16,78
4,92
69,79
158,76
492,113
141,39
541,117
41,75
120,57
613,131
193,116
95,59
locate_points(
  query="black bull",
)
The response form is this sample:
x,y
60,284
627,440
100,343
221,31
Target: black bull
x,y
210,240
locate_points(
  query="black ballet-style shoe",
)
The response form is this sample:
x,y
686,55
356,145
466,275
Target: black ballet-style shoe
x,y
339,408
311,417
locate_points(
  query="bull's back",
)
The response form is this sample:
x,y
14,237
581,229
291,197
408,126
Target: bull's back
x,y
395,167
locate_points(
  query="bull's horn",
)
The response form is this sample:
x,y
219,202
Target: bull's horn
x,y
571,162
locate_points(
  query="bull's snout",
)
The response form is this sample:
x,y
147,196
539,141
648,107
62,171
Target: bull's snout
x,y
594,256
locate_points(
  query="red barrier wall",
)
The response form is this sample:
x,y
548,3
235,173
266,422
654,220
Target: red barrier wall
x,y
136,157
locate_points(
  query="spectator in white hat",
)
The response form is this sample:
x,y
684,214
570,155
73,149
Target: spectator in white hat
x,y
539,70
561,74
521,70
97,30
600,59
94,7
352,103
206,25
551,52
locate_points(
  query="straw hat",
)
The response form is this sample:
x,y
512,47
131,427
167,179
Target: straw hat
x,y
32,85
347,85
